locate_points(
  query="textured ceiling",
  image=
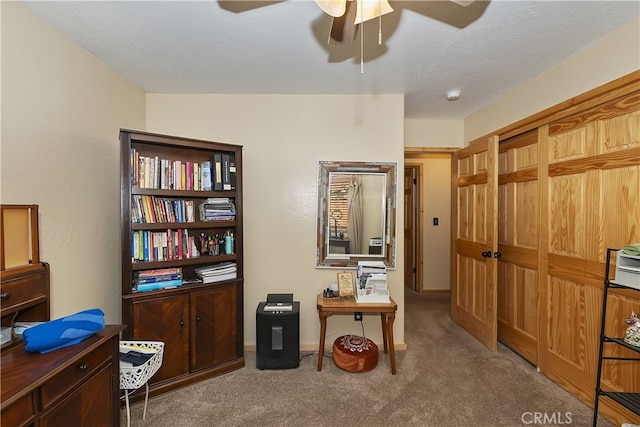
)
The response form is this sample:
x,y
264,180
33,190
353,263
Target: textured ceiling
x,y
280,47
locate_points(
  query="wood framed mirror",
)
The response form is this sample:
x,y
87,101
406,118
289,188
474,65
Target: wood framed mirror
x,y
356,213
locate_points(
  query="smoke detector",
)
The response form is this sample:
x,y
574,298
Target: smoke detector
x,y
453,94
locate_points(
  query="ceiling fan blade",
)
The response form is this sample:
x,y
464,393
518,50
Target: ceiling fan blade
x,y
463,2
369,9
343,28
333,8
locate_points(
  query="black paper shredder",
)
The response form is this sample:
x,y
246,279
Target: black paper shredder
x,y
278,332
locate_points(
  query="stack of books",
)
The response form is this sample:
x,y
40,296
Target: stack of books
x,y
372,282
150,280
218,209
217,272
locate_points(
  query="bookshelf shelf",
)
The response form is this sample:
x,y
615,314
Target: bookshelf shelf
x,y
189,225
201,325
202,260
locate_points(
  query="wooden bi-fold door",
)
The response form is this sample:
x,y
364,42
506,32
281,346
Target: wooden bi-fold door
x,y
591,202
475,245
518,240
565,189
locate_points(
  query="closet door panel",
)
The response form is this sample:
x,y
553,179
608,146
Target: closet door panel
x,y
593,199
474,271
518,205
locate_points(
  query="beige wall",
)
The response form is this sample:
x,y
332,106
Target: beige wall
x,y
436,195
61,112
433,133
284,138
613,56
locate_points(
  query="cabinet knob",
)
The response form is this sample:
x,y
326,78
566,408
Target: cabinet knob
x,y
84,367
181,323
5,296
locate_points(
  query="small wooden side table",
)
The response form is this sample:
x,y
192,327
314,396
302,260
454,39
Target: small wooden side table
x,y
329,306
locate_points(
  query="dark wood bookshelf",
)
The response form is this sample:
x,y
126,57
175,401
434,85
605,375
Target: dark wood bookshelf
x,y
200,324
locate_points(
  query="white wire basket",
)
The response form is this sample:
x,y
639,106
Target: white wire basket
x,y
134,377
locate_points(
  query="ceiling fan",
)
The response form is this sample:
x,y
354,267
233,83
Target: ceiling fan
x,y
349,14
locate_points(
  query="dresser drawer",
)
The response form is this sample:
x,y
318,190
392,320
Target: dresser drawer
x,y
20,290
20,413
72,376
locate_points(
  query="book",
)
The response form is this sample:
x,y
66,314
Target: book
x,y
226,172
232,171
205,172
196,176
216,175
160,272
142,287
157,279
217,272
219,277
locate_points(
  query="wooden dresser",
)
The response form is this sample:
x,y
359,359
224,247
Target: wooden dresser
x,y
77,385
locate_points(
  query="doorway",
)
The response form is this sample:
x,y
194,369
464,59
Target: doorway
x,y
412,236
427,219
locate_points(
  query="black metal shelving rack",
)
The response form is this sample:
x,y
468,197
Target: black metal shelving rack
x,y
627,399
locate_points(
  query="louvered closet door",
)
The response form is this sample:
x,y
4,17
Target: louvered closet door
x,y
592,198
474,281
518,235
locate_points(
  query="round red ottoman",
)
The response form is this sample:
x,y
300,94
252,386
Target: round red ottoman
x,y
355,354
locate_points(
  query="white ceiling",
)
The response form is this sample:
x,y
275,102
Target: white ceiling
x,y
280,47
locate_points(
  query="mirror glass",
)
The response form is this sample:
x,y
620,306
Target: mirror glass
x,y
356,213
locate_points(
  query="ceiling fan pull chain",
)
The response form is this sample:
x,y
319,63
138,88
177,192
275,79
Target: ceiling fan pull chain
x,y
379,24
361,40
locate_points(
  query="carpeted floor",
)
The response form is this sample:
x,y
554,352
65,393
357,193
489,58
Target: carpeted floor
x,y
445,379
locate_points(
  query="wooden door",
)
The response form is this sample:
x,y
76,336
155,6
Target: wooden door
x,y
166,320
410,224
591,201
475,243
518,239
215,326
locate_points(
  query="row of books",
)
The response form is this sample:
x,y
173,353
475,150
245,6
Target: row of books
x,y
218,209
217,272
151,280
150,246
216,174
151,209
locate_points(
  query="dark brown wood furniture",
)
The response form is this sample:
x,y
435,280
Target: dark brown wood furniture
x,y
72,386
24,279
200,324
77,385
329,306
24,296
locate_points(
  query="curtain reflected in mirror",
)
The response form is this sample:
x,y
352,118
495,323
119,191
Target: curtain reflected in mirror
x,y
356,213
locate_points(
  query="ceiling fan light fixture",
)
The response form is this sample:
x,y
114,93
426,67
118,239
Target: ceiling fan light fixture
x,y
370,9
453,95
333,8
464,3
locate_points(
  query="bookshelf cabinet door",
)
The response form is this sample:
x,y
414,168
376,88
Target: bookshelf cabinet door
x,y
214,326
166,320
